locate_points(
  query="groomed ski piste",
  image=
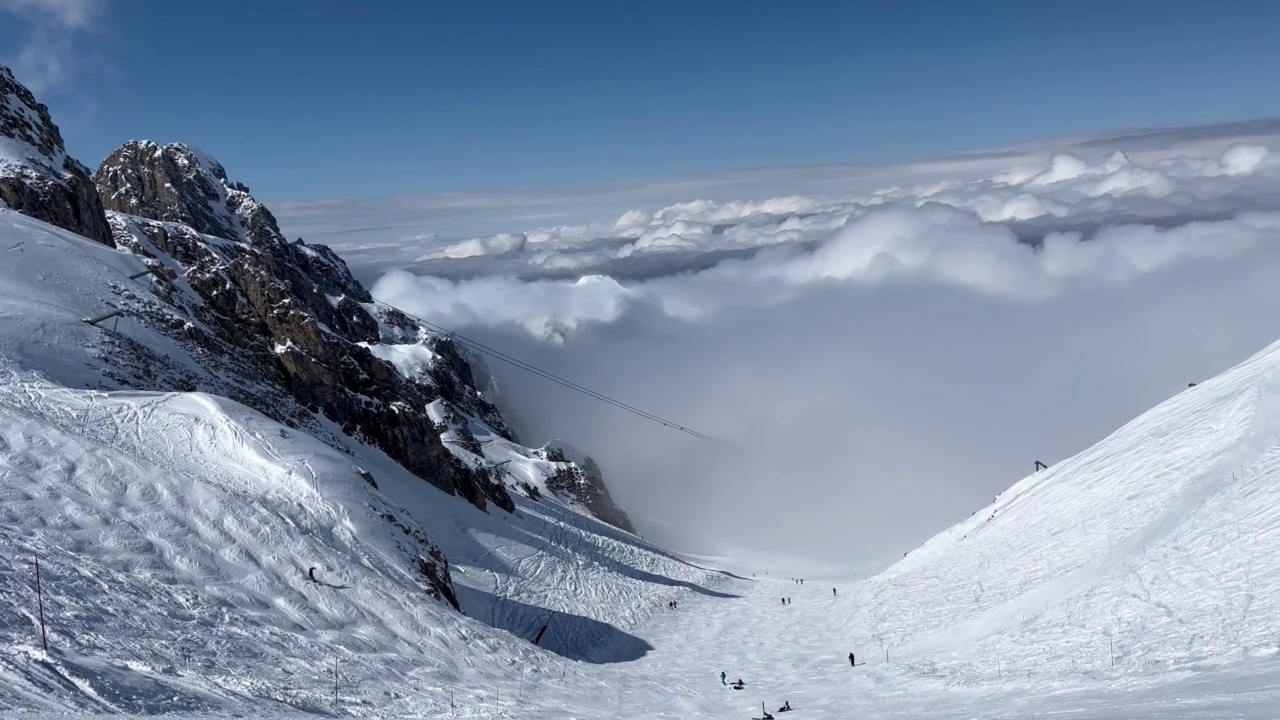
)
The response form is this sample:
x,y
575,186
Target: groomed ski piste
x,y
177,532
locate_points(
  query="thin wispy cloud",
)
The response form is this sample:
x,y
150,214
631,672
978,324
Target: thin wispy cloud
x,y
46,59
879,364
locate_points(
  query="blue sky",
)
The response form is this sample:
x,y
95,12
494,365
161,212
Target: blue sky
x,y
339,99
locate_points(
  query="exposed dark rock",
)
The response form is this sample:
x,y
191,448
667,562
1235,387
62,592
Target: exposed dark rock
x,y
37,177
287,328
579,478
288,315
430,561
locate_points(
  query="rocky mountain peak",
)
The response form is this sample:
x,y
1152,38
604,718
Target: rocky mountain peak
x,y
37,177
285,319
178,183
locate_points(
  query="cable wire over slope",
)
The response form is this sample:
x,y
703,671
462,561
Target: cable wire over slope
x,y
499,355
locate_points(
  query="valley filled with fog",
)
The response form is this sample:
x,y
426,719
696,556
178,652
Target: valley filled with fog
x,y
878,349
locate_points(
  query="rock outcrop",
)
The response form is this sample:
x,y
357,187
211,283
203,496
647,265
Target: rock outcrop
x,y
37,177
178,183
286,315
579,478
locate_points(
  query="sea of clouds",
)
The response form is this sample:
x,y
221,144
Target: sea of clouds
x,y
878,352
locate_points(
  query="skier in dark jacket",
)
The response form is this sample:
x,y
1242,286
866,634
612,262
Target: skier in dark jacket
x,y
722,678
851,662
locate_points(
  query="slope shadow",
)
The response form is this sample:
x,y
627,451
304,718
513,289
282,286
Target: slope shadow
x,y
593,554
571,636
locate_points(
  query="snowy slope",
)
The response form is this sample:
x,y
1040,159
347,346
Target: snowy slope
x,y
50,281
176,531
1160,542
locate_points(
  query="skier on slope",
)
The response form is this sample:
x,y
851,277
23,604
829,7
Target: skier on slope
x,y
851,662
833,592
722,678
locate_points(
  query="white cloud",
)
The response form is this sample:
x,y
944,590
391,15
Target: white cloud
x,y
472,247
880,363
45,59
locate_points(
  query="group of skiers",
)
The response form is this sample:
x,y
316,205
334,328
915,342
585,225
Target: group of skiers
x,y
673,605
787,600
740,685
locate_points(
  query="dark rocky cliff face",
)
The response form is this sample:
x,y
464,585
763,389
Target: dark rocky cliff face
x,y
289,315
580,479
37,178
177,183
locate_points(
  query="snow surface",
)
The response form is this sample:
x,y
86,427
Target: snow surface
x,y
175,531
410,360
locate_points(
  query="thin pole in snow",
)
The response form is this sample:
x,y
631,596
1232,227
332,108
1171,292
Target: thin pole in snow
x,y
886,654
1113,651
104,316
44,636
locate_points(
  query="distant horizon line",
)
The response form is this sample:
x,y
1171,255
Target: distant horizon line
x,y
1223,130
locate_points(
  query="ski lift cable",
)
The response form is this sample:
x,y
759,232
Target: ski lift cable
x,y
564,382
496,354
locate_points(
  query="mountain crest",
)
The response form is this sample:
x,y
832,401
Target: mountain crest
x,y
179,183
37,177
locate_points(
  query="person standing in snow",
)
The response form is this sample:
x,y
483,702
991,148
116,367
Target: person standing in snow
x,y
851,662
833,592
722,678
